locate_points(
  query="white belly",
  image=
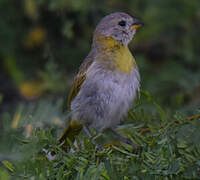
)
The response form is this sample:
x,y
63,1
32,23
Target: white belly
x,y
105,97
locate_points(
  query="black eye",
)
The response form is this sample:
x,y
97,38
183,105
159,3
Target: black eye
x,y
122,23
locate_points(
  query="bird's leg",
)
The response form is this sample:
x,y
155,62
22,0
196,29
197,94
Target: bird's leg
x,y
123,139
88,132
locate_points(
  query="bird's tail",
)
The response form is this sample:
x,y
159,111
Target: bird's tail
x,y
72,130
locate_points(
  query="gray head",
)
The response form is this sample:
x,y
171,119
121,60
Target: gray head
x,y
119,26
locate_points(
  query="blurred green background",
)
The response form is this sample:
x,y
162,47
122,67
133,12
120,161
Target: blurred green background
x,y
43,42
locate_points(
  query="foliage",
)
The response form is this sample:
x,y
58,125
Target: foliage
x,y
166,49
169,147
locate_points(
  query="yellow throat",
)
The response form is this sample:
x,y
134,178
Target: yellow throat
x,y
116,53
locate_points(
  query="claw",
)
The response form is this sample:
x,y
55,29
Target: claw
x,y
144,130
125,140
111,144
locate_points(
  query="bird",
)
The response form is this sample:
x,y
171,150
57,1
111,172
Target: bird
x,y
108,80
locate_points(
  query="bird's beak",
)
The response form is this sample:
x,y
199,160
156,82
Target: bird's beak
x,y
137,24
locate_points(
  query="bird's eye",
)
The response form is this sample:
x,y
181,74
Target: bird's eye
x,y
122,23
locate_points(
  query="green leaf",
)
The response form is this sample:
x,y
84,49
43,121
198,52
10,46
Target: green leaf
x,y
8,165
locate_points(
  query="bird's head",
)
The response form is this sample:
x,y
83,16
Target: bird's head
x,y
119,26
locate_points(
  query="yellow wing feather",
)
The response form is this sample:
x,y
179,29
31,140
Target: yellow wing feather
x,y
79,80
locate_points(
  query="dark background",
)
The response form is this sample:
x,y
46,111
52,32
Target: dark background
x,y
42,44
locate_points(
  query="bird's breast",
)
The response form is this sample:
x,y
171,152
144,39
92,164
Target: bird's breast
x,y
124,60
114,55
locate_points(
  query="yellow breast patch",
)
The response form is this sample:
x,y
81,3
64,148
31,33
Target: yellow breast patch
x,y
124,59
117,53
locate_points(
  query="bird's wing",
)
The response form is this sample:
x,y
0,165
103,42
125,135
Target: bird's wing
x,y
79,80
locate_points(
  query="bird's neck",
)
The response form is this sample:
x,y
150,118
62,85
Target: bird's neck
x,y
113,53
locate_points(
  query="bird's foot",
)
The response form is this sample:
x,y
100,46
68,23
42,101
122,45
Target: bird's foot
x,y
125,140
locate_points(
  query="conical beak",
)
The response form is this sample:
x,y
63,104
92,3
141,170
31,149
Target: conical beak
x,y
137,24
